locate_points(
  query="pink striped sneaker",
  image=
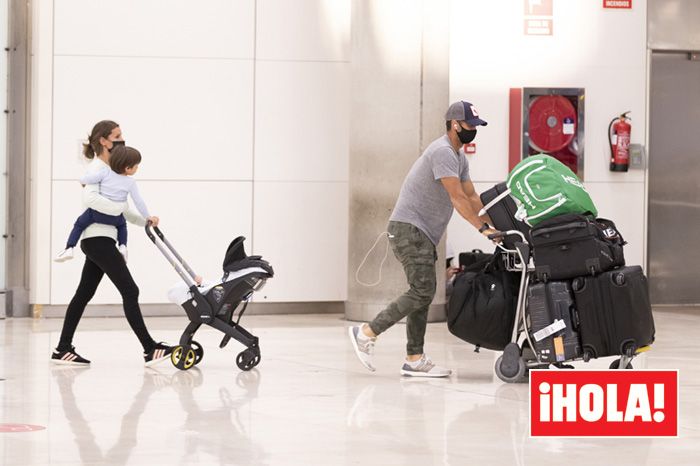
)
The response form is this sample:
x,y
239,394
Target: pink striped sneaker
x,y
69,358
159,353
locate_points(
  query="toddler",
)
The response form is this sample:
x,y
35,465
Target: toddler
x,y
115,184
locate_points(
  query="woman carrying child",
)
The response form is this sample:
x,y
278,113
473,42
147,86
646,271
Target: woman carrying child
x,y
102,256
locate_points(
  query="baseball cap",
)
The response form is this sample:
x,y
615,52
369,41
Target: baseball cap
x,y
464,111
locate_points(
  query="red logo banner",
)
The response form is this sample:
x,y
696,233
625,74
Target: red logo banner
x,y
613,403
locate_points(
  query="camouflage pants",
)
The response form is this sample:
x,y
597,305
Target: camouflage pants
x,y
418,256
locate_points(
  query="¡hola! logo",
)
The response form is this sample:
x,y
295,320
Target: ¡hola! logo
x,y
622,403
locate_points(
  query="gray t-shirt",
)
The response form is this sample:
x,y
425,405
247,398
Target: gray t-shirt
x,y
423,200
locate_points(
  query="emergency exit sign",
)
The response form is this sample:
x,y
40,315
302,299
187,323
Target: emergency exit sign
x,y
618,4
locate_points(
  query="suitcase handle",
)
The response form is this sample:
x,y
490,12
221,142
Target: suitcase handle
x,y
568,226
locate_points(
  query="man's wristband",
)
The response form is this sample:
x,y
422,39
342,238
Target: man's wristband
x,y
484,227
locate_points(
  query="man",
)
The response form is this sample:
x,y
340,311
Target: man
x,y
438,182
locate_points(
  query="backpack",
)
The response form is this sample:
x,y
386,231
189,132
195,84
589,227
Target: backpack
x,y
543,188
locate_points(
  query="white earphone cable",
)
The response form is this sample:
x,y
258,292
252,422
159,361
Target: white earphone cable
x,y
386,254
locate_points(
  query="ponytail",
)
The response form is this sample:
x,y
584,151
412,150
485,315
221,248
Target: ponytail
x,y
88,151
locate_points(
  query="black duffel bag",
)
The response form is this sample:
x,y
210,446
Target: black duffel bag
x,y
482,307
572,245
468,259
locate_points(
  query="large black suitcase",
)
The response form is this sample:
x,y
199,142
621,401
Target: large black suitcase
x,y
503,214
550,307
572,245
614,312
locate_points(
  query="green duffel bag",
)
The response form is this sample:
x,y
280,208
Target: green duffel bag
x,y
544,187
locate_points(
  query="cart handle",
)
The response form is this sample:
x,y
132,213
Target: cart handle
x,y
168,250
503,234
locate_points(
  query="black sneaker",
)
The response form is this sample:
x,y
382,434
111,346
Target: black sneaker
x,y
69,357
159,353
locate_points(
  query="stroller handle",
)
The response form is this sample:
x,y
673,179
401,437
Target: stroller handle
x,y
168,250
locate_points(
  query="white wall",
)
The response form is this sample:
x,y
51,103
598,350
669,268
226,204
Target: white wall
x,y
239,109
603,51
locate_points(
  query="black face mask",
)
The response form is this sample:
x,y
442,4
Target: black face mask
x,y
466,135
117,143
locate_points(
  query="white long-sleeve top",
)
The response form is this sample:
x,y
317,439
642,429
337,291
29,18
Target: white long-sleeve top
x,y
93,200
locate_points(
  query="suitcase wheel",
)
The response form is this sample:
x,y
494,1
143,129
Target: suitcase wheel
x,y
510,366
616,365
619,279
587,356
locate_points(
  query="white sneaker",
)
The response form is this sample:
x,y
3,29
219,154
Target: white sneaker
x,y
124,252
424,367
363,345
65,255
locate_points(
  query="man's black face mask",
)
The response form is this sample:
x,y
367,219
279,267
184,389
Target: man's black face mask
x,y
466,135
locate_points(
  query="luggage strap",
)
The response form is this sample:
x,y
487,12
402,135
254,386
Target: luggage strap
x,y
495,201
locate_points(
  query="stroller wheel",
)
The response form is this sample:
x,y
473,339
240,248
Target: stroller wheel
x,y
183,357
198,352
248,358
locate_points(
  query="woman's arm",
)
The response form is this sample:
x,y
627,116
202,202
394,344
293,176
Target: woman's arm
x,y
93,200
134,217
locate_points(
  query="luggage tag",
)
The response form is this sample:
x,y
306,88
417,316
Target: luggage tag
x,y
559,348
551,329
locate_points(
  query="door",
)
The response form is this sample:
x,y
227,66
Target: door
x,y
674,179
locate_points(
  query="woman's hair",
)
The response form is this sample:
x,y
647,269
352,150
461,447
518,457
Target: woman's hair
x,y
101,130
123,157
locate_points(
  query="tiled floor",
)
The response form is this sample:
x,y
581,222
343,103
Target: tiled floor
x,y
308,403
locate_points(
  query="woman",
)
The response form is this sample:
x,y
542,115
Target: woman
x,y
102,257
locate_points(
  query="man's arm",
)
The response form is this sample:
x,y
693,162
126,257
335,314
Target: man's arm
x,y
461,201
475,200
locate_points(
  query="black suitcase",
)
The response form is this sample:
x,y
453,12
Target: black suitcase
x,y
503,214
572,245
467,259
614,312
553,325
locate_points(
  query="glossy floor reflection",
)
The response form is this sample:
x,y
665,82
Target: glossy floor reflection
x,y
308,403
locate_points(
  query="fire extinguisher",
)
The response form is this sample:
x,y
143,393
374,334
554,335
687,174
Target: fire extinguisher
x,y
619,132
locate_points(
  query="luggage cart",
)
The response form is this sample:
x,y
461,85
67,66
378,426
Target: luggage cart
x,y
518,356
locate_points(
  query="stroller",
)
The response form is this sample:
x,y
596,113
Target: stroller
x,y
518,356
215,305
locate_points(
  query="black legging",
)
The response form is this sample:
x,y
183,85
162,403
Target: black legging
x,y
102,257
